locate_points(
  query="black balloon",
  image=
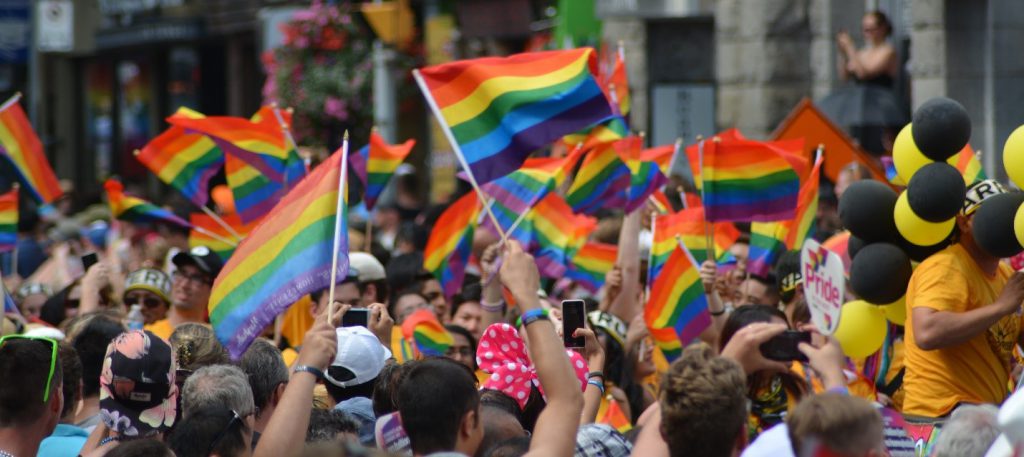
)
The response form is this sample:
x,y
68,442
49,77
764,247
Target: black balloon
x,y
854,245
866,210
880,273
936,192
919,253
941,128
993,225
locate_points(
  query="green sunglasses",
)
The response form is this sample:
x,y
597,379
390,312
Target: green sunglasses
x,y
53,357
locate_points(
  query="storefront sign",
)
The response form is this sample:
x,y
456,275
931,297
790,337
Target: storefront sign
x,y
55,30
14,31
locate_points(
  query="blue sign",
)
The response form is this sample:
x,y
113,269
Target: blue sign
x,y
15,31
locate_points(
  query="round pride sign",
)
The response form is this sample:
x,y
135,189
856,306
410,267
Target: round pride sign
x,y
824,285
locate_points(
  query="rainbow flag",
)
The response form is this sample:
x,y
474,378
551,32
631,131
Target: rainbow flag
x,y
286,256
375,163
609,131
501,109
969,165
9,220
428,337
618,85
514,194
603,181
21,145
688,225
768,240
448,247
557,233
224,250
645,177
590,263
747,181
254,193
667,340
677,302
185,161
610,413
693,154
134,209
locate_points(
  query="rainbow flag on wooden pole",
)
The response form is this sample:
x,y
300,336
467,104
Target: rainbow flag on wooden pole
x,y
183,160
134,209
9,220
295,250
677,301
375,163
20,144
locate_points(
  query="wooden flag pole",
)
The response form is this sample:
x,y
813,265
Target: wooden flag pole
x,y
220,222
368,243
337,224
287,135
709,228
278,322
214,235
10,101
458,151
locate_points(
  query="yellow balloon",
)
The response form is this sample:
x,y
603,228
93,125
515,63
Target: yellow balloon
x,y
861,329
896,311
1013,156
906,156
917,230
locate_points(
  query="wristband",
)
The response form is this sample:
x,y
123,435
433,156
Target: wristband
x,y
599,385
532,316
308,369
495,307
717,313
595,374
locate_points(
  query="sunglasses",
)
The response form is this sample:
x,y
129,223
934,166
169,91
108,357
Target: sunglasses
x,y
147,302
235,419
53,357
195,278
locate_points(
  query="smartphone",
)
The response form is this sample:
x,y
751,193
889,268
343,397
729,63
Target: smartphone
x,y
573,317
783,347
356,317
89,260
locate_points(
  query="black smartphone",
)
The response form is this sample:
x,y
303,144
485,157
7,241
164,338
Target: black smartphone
x,y
356,317
784,346
89,260
573,317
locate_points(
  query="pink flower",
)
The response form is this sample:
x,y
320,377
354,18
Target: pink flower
x,y
336,108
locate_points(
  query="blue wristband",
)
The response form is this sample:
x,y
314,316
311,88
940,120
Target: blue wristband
x,y
532,316
308,369
599,385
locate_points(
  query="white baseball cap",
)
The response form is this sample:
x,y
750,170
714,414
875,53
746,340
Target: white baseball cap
x,y
360,352
365,266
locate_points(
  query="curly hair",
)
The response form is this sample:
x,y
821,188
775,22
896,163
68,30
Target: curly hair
x,y
703,404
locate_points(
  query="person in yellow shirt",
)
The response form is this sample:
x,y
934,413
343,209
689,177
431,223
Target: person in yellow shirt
x,y
190,289
963,321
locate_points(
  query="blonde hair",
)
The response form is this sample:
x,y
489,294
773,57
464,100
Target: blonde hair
x,y
844,425
197,346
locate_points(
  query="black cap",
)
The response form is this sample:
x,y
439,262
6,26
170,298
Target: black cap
x,y
202,258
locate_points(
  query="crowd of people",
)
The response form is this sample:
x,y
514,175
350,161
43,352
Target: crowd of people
x,y
118,358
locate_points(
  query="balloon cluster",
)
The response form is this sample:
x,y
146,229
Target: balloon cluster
x,y
890,229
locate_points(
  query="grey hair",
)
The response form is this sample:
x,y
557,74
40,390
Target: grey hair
x,y
970,431
220,387
265,368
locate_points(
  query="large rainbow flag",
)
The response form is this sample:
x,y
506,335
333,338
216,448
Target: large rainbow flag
x,y
185,161
20,144
134,209
688,226
501,109
747,181
286,256
677,302
591,263
768,240
448,247
9,220
375,163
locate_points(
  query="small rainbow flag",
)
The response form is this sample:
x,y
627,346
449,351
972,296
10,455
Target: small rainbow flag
x,y
611,414
677,301
20,144
185,161
501,109
428,337
693,154
9,220
602,181
618,85
645,177
747,181
609,131
969,165
448,247
286,256
768,240
590,263
134,209
207,223
688,225
375,163
557,233
667,340
514,194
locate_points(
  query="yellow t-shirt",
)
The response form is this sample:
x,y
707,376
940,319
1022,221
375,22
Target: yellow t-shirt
x,y
161,328
975,371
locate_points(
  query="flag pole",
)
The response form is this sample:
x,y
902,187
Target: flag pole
x,y
369,233
650,258
287,135
10,101
458,151
337,223
220,222
709,228
214,235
